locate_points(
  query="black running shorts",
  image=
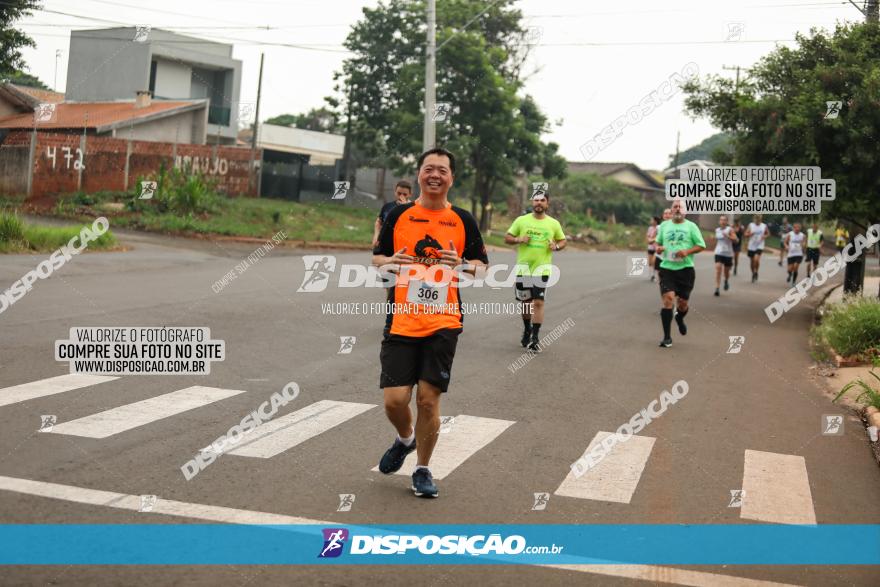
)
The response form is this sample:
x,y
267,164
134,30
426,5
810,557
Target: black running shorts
x,y
530,288
813,255
795,259
681,281
755,252
407,359
726,261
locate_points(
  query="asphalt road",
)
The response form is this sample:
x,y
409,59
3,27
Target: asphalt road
x,y
599,373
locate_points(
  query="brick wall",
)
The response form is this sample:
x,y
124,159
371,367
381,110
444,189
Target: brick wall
x,y
66,163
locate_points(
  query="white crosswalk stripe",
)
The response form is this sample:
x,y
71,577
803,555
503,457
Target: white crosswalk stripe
x,y
466,436
123,418
210,513
281,434
776,486
616,476
50,386
776,489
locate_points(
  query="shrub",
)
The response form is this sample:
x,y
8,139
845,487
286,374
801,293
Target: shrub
x,y
177,191
852,327
11,228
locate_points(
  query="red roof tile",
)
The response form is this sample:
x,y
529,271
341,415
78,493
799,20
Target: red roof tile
x,y
42,96
93,114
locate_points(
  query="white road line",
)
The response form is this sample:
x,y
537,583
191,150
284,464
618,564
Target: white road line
x,y
50,386
116,420
211,513
277,436
777,489
615,477
133,502
467,435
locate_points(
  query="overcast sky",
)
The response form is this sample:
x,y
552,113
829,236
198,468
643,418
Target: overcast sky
x,y
592,61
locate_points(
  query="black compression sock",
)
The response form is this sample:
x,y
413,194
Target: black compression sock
x,y
794,279
666,319
527,324
535,329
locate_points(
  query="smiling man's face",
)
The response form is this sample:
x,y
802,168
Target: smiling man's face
x,y
435,176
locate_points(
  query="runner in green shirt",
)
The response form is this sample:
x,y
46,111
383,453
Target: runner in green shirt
x,y
537,235
679,240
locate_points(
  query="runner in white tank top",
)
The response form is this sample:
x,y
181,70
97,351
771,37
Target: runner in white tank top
x,y
794,242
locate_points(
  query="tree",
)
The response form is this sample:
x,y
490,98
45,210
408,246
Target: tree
x,y
710,149
12,40
494,131
318,119
604,197
20,78
777,115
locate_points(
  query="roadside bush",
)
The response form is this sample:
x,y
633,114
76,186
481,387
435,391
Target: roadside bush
x,y
10,227
852,327
177,191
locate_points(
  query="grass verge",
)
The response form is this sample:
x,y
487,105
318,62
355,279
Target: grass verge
x,y
852,328
17,236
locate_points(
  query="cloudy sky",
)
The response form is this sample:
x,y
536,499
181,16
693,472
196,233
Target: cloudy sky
x,y
591,62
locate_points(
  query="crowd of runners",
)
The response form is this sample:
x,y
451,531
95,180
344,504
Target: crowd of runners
x,y
429,233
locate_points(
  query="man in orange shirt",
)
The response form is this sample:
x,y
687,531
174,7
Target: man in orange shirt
x,y
426,239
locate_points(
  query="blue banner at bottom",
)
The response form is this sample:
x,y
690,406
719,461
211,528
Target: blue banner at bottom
x,y
214,544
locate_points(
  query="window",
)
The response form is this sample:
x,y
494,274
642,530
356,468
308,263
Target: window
x,y
152,87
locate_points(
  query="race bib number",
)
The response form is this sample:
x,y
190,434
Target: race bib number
x,y
670,256
428,294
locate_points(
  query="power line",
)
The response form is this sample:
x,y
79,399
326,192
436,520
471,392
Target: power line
x,y
321,46
195,41
156,10
667,10
661,43
196,27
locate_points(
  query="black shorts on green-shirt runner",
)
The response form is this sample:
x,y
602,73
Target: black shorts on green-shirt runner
x,y
530,287
681,281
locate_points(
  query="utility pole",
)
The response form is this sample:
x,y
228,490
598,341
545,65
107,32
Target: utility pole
x,y
854,274
346,149
256,125
736,68
57,57
870,11
675,160
429,133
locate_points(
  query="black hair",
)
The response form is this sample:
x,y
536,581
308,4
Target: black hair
x,y
438,151
403,184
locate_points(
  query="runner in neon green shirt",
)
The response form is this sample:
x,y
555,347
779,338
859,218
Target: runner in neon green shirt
x,y
537,235
679,240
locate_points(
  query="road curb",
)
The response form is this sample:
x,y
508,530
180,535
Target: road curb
x,y
870,416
